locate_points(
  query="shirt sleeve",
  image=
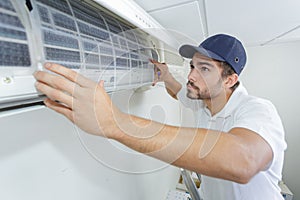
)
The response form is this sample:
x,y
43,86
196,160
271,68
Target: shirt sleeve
x,y
261,117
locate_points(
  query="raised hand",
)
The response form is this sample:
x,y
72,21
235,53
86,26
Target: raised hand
x,y
80,99
161,72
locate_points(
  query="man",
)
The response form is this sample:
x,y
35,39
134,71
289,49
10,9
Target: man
x,y
239,145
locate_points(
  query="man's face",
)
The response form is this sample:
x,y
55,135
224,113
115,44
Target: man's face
x,y
204,79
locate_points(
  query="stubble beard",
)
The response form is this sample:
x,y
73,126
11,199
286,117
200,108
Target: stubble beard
x,y
195,93
205,94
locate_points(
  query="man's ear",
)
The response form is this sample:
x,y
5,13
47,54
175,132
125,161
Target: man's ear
x,y
231,80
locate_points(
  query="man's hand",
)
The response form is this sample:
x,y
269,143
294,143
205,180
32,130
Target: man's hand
x,y
161,72
81,100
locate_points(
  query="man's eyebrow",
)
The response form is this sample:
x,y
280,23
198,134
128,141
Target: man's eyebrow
x,y
203,63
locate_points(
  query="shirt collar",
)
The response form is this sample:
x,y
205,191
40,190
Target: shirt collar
x,y
234,100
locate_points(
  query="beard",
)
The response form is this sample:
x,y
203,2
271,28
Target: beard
x,y
193,93
197,93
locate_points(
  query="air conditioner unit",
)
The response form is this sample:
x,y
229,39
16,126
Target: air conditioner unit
x,y
110,40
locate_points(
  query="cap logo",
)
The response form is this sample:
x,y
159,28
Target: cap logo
x,y
236,60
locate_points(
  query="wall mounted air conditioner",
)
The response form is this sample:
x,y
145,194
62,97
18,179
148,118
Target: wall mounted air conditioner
x,y
110,40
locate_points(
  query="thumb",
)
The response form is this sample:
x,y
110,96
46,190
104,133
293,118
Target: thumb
x,y
101,83
154,82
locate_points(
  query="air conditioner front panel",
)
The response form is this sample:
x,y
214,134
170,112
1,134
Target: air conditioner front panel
x,y
81,35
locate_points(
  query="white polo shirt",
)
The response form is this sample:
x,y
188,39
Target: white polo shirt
x,y
255,114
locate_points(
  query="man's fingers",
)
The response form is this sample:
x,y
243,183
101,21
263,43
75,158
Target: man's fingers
x,y
156,62
154,82
67,112
153,61
55,94
69,74
101,83
55,81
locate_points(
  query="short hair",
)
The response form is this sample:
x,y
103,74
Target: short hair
x,y
227,71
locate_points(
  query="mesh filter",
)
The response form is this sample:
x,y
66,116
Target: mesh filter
x,y
14,54
76,34
80,35
14,50
7,5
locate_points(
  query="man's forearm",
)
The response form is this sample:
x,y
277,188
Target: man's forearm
x,y
167,143
208,152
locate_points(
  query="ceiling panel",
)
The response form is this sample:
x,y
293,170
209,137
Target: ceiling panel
x,y
255,22
289,37
177,18
151,5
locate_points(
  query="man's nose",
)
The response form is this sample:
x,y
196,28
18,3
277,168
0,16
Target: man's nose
x,y
192,75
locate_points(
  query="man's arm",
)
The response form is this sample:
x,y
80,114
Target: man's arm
x,y
236,156
162,74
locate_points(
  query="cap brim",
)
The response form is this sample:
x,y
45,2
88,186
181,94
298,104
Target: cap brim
x,y
188,51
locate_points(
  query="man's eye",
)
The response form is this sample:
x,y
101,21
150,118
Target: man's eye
x,y
192,66
204,69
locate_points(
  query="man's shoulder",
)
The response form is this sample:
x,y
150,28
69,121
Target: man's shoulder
x,y
248,100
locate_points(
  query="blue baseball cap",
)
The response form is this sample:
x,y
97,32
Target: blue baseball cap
x,y
219,47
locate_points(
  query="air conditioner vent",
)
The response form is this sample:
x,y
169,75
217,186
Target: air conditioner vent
x,y
81,35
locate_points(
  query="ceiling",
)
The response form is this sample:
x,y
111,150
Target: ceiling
x,y
255,22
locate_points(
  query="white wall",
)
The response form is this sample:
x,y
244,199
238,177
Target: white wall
x,y
44,156
273,72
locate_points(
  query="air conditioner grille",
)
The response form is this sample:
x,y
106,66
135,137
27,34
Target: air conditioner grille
x,y
79,34
60,5
14,50
7,5
14,54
